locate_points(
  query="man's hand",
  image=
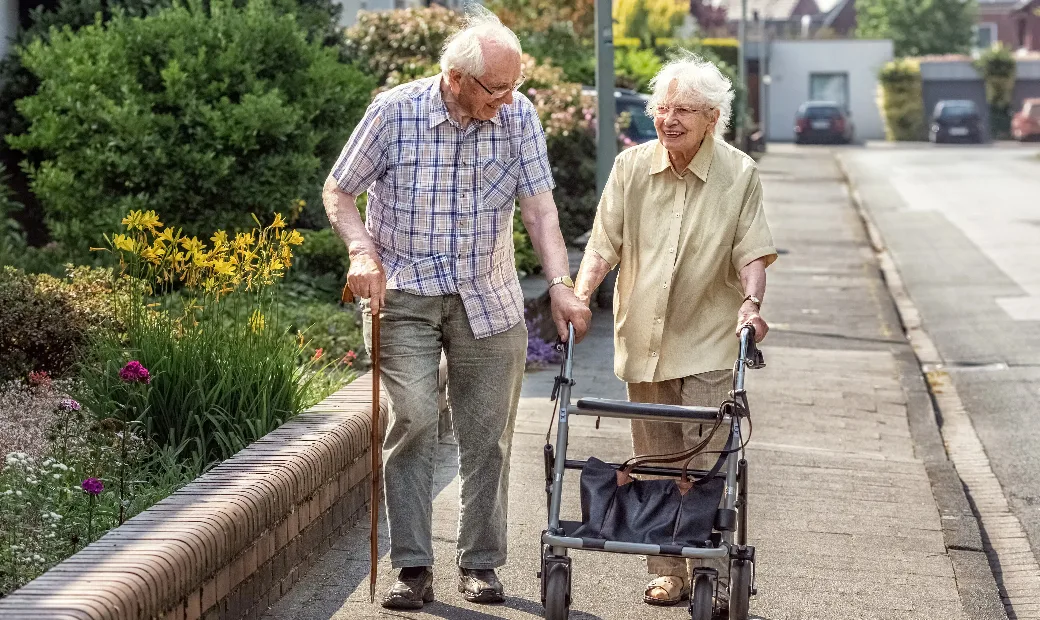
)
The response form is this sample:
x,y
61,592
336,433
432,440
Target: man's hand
x,y
566,308
748,315
366,278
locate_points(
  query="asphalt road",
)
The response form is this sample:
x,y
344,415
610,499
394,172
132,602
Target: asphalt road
x,y
963,227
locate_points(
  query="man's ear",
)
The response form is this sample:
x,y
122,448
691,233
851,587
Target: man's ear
x,y
455,81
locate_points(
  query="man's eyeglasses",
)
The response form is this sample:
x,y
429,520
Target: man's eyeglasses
x,y
500,92
680,111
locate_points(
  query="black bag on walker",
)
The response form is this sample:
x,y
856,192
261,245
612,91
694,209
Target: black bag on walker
x,y
617,507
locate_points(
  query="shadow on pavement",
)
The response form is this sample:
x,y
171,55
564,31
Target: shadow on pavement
x,y
446,610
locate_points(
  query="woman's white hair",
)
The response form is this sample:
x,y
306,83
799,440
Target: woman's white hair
x,y
463,51
698,82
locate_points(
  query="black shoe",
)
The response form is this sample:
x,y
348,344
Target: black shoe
x,y
413,589
480,586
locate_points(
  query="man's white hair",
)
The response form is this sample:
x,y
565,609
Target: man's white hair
x,y
463,52
698,83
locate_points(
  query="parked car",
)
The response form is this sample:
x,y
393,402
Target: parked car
x,y
1025,124
955,120
824,122
641,127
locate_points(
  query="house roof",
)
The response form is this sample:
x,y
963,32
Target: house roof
x,y
769,10
827,18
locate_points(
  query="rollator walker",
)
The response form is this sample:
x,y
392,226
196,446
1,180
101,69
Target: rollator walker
x,y
729,531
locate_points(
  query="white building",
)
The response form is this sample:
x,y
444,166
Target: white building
x,y
844,71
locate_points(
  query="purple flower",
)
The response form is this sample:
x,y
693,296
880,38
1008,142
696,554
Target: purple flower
x,y
540,352
68,404
93,486
134,372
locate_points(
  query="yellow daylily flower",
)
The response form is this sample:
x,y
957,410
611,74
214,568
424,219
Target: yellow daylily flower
x,y
122,242
294,238
278,221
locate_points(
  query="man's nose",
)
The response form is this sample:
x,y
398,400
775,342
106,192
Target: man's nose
x,y
506,99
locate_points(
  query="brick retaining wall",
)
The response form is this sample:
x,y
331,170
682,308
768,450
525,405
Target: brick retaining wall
x,y
232,542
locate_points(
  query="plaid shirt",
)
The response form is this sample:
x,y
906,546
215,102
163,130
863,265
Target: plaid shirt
x,y
441,198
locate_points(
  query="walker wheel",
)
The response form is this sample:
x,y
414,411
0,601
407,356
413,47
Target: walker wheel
x,y
557,591
739,589
702,599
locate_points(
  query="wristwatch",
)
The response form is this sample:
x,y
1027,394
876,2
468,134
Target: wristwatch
x,y
564,280
754,300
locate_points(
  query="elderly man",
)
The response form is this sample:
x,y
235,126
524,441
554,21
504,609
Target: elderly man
x,y
444,159
683,216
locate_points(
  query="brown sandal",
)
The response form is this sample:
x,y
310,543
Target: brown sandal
x,y
674,588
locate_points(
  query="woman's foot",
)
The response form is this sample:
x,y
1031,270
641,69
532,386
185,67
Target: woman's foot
x,y
666,590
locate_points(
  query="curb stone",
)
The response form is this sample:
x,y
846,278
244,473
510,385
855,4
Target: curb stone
x,y
978,589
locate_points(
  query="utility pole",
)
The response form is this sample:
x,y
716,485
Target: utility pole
x,y
741,74
606,139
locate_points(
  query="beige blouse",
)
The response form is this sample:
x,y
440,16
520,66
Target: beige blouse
x,y
681,241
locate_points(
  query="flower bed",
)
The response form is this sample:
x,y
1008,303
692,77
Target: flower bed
x,y
202,364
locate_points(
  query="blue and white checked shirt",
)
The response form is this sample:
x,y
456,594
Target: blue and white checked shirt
x,y
441,198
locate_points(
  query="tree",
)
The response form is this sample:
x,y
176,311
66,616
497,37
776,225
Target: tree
x,y
208,114
918,27
648,20
711,19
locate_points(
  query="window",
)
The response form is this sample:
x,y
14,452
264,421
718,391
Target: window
x,y
985,35
830,87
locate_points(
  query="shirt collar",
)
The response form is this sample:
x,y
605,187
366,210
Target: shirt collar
x,y
439,110
699,165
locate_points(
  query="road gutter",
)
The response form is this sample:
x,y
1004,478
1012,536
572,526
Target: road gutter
x,y
997,576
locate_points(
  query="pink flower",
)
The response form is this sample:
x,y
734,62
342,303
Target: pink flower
x,y
93,486
68,404
134,372
318,353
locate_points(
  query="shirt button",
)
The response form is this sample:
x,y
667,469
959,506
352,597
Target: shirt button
x,y
671,250
657,320
665,285
653,354
676,215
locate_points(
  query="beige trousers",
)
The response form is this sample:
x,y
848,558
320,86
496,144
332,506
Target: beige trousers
x,y
708,389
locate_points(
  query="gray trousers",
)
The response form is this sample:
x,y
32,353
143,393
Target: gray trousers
x,y
707,389
484,379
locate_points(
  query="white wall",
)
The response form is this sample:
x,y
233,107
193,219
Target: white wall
x,y
8,24
791,63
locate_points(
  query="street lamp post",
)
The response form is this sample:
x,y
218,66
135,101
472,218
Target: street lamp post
x,y
606,140
742,73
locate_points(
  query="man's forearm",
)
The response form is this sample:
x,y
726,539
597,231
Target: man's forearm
x,y
590,275
543,227
341,209
753,278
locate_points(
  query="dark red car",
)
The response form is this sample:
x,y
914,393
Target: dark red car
x,y
1025,124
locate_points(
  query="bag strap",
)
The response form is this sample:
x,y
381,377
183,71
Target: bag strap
x,y
676,457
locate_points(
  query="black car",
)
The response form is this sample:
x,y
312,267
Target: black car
x,y
822,122
955,120
640,127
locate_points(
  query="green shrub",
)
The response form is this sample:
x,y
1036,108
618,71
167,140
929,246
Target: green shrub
x,y
46,322
997,67
12,241
523,252
323,253
901,101
635,68
209,114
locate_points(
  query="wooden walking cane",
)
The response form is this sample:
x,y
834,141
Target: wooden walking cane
x,y
376,450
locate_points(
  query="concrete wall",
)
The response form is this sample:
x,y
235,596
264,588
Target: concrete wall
x,y
958,79
792,62
8,24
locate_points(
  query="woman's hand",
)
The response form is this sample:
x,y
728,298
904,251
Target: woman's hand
x,y
748,315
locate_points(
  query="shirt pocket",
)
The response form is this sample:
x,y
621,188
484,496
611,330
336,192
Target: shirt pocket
x,y
499,180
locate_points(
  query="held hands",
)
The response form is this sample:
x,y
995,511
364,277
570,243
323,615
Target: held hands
x,y
566,308
748,315
367,278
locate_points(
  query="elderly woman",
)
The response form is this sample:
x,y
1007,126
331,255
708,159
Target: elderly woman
x,y
683,216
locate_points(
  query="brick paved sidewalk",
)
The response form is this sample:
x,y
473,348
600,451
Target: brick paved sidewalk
x,y
842,512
